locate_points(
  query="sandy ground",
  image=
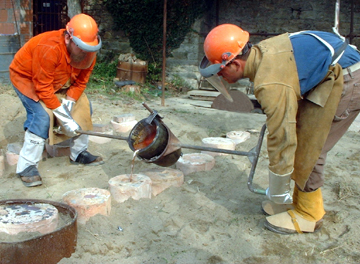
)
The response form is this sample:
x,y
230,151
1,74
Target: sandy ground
x,y
213,217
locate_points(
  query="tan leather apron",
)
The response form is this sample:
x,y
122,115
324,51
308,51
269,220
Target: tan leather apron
x,y
80,113
314,119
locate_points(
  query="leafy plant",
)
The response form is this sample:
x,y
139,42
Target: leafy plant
x,y
102,82
105,70
154,73
142,21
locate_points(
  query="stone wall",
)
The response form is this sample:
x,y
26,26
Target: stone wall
x,y
262,19
114,42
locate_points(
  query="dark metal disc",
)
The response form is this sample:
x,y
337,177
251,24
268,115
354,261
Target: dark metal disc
x,y
241,102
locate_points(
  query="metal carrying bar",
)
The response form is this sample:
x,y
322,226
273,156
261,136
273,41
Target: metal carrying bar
x,y
253,154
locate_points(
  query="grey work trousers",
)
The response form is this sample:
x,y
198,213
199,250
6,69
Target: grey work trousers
x,y
347,111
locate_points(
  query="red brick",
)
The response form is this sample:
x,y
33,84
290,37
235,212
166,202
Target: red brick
x,y
3,15
6,4
28,16
15,16
25,4
24,28
7,28
27,38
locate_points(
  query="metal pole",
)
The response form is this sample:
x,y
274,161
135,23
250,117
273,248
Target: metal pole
x,y
337,15
16,24
352,22
164,55
91,133
226,151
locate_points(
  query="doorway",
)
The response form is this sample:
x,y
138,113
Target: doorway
x,y
49,15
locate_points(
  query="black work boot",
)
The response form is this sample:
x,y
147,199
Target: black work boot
x,y
85,158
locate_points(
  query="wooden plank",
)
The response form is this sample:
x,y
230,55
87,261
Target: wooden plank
x,y
203,93
207,89
206,104
203,98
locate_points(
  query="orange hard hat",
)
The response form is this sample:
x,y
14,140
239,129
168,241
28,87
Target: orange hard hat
x,y
83,30
224,43
221,46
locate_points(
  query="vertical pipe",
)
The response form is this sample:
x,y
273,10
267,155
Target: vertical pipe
x,y
16,23
352,21
337,15
164,55
217,5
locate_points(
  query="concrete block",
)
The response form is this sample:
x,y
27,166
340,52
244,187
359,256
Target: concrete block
x,y
124,118
189,163
163,178
12,153
103,129
124,186
89,202
123,127
219,143
238,136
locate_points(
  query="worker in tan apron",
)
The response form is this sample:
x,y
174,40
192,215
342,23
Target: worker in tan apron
x,y
49,74
302,81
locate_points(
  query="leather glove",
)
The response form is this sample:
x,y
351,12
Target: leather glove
x,y
279,188
69,104
67,123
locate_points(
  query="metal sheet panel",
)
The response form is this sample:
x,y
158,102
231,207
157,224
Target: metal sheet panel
x,y
9,45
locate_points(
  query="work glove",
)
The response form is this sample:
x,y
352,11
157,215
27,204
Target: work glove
x,y
67,123
69,104
279,188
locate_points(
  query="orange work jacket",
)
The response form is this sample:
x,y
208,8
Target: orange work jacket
x,y
42,67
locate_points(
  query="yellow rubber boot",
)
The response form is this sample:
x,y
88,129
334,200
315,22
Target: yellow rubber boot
x,y
307,216
270,208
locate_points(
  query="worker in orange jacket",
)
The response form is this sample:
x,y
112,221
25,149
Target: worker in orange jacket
x,y
49,74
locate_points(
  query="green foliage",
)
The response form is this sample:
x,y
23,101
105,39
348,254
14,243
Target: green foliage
x,y
105,70
102,83
154,73
101,79
142,21
177,81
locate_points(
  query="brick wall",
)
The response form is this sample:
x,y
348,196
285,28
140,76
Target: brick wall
x,y
7,23
15,30
16,17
